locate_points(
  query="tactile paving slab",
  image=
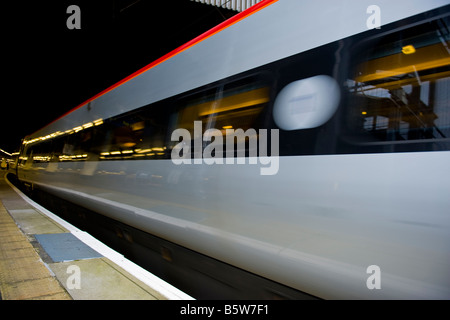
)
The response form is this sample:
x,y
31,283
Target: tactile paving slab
x,y
65,247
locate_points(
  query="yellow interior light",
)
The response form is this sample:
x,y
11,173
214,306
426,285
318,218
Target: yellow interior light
x,y
364,112
409,49
128,144
227,127
98,122
237,101
142,150
424,58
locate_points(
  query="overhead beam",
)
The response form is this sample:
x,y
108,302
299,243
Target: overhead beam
x,y
237,5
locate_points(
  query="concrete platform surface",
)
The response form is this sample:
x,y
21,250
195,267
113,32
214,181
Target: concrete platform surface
x,y
42,257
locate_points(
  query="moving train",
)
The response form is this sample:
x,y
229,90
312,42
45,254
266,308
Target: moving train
x,y
304,143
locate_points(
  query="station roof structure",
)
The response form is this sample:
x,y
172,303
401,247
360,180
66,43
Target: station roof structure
x,y
4,154
236,5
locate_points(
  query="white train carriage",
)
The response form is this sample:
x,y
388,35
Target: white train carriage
x,y
356,124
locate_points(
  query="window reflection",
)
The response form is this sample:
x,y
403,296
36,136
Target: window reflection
x,y
400,88
137,136
234,106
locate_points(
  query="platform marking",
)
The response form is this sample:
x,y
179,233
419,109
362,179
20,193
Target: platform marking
x,y
65,247
164,288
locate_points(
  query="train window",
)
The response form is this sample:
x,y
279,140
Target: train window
x,y
41,153
399,91
119,138
235,105
138,135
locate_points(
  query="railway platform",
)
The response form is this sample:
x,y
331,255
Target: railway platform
x,y
42,257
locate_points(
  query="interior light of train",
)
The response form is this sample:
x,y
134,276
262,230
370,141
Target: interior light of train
x,y
409,49
237,101
138,126
128,144
69,131
64,158
227,127
425,58
142,150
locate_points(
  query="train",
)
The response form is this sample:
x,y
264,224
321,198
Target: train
x,y
303,143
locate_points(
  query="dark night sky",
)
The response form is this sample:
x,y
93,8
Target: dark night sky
x,y
48,69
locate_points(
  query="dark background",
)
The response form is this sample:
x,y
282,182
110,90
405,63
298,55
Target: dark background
x,y
48,69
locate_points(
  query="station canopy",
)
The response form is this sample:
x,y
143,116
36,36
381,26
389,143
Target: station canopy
x,y
236,5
